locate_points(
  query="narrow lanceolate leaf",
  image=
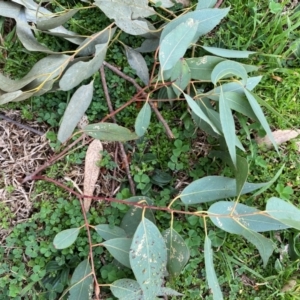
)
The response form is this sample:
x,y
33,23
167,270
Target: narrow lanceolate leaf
x,y
260,115
210,270
127,289
228,53
91,171
227,69
78,104
228,127
148,45
9,9
148,258
109,132
107,232
82,282
175,44
53,22
83,70
181,75
206,4
207,19
143,120
246,221
65,238
119,249
284,212
25,35
212,188
133,217
178,252
138,63
197,110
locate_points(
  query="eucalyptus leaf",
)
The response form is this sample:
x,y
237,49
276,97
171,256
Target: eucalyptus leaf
x,y
178,252
210,270
108,232
148,45
228,127
76,108
127,289
53,22
138,63
207,20
260,116
228,53
65,238
143,120
109,132
133,27
119,249
133,217
202,4
148,258
81,282
181,75
9,9
283,211
175,43
212,188
197,110
164,3
227,69
80,71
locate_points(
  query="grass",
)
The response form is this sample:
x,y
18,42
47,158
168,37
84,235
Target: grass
x,y
252,25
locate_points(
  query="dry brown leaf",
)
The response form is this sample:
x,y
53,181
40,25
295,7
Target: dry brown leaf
x,y
91,171
280,137
289,286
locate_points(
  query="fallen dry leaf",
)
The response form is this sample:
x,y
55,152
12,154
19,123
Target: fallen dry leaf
x,y
289,286
280,137
91,171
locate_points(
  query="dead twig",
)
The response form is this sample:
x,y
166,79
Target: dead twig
x,y
21,125
121,146
218,4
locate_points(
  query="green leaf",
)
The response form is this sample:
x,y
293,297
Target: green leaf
x,y
148,45
197,110
138,63
164,3
246,221
53,22
178,252
119,249
9,9
107,232
260,116
228,127
228,53
227,69
65,238
83,70
175,44
241,170
148,258
166,291
143,120
81,282
202,4
109,132
212,188
234,217
133,217
181,75
76,108
207,20
210,271
284,212
126,289
26,37
134,27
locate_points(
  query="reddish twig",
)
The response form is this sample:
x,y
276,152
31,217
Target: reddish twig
x,y
142,90
123,152
218,4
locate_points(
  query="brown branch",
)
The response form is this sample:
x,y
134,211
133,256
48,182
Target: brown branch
x,y
218,4
21,125
140,89
121,146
